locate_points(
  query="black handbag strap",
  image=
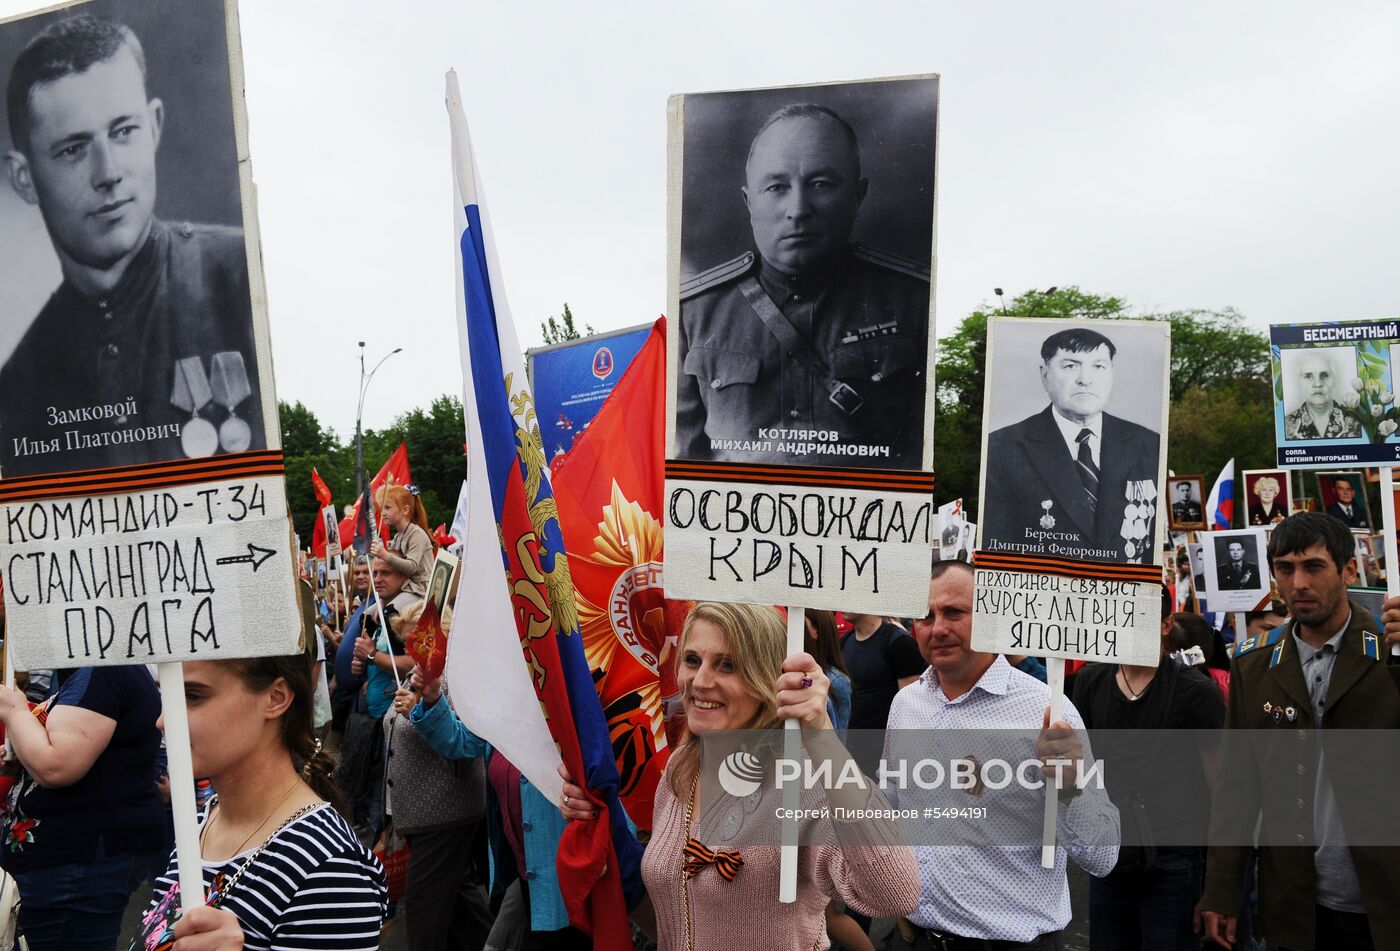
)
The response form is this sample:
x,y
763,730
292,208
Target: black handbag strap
x,y
845,398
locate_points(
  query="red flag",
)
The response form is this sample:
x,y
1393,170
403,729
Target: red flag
x,y
323,498
426,643
323,491
394,471
609,488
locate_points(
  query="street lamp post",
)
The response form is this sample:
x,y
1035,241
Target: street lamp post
x,y
359,414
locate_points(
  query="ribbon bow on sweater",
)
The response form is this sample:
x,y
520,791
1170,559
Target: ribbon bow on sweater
x,y
698,855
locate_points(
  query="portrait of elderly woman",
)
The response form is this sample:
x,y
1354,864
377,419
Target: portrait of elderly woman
x,y
1266,496
1313,381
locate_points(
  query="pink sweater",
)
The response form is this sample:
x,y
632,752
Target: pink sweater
x,y
865,864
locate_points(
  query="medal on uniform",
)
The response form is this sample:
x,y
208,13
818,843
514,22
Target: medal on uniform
x,y
1268,707
1290,713
1047,520
191,393
229,381
1138,513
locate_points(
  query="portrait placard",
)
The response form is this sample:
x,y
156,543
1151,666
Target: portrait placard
x,y
330,523
1268,497
800,262
141,478
132,319
195,572
1236,567
1186,503
1198,576
1071,461
442,583
1343,496
1334,393
955,533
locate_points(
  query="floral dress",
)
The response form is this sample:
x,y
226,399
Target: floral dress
x,y
1299,424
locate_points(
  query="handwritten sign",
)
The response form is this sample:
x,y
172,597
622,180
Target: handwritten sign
x,y
182,573
1046,615
866,551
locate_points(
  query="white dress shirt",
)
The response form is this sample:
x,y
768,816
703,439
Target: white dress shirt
x,y
1070,430
999,892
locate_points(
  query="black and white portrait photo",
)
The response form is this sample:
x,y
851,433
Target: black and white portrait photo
x,y
331,526
1197,559
802,243
1074,438
127,330
1186,502
1316,384
1236,569
1343,497
440,581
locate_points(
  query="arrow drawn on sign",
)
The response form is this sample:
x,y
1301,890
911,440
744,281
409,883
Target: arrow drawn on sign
x,y
255,557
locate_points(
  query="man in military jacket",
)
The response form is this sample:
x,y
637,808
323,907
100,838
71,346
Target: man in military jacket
x,y
1186,510
1237,573
1291,691
146,350
812,349
1096,500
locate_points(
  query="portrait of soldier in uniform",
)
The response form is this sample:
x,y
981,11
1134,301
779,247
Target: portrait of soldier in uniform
x,y
1071,479
1185,495
1233,571
145,350
1311,389
806,335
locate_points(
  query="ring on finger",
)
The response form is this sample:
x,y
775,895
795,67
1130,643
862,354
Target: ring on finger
x,y
566,799
806,682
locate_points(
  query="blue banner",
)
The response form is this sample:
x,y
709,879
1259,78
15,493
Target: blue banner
x,y
571,380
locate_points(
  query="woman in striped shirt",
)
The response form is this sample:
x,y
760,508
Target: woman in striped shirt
x,y
282,867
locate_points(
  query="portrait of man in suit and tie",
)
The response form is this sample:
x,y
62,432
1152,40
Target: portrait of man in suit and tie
x,y
1344,498
1068,477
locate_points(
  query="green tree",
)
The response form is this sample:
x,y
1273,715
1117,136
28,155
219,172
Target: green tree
x,y
435,450
558,330
302,432
306,444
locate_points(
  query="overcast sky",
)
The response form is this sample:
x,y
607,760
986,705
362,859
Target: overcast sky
x,y
1197,154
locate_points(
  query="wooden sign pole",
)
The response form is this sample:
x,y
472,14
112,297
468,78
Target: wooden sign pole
x,y
181,772
1055,676
792,790
1392,563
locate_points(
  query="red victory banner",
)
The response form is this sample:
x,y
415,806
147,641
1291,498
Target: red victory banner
x,y
608,487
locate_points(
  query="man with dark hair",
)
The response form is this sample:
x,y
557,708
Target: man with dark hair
x,y
807,333
145,352
1072,480
1326,669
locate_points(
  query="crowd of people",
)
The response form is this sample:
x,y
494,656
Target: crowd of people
x,y
323,767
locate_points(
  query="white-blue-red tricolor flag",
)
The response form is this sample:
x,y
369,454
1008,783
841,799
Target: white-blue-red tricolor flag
x,y
515,642
1220,507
